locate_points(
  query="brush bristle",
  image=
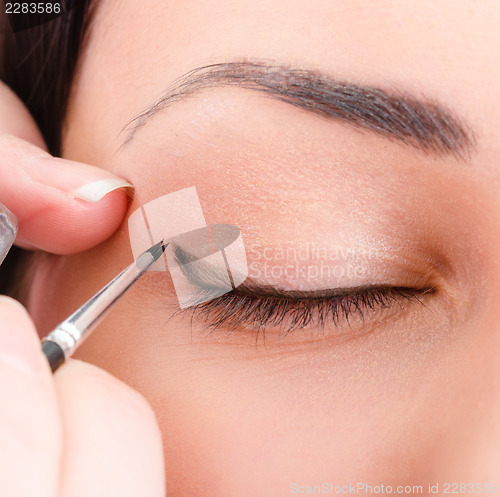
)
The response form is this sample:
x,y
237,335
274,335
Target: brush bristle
x,y
157,250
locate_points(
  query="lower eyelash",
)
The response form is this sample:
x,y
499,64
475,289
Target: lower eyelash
x,y
234,310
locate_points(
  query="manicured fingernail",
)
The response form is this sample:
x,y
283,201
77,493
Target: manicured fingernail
x,y
15,347
74,178
95,191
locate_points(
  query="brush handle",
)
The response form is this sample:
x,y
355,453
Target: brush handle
x,y
54,354
61,342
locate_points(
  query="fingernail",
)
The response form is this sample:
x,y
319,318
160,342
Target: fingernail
x,y
95,191
15,347
79,180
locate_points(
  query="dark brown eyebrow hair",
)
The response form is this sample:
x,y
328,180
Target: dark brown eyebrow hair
x,y
397,115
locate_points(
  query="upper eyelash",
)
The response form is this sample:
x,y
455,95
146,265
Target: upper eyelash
x,y
236,309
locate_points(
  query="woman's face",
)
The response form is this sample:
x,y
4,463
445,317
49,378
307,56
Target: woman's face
x,y
403,391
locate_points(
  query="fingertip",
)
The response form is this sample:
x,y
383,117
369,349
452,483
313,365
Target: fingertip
x,y
115,422
110,395
62,206
94,222
72,225
30,428
98,383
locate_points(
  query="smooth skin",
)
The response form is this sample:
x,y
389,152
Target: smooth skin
x,y
81,431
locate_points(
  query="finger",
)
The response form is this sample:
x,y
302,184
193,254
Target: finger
x,y
112,440
30,425
16,120
62,206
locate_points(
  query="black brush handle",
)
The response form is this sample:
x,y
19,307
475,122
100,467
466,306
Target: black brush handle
x,y
54,354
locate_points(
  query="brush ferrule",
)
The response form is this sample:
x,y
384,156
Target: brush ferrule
x,y
67,336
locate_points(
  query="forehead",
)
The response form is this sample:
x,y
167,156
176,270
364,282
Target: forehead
x,y
428,48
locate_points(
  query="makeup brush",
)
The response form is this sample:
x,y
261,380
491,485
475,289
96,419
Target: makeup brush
x,y
62,342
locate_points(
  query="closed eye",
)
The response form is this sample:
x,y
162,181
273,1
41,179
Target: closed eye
x,y
288,311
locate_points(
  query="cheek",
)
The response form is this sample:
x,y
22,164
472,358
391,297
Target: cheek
x,y
370,411
43,303
58,285
228,423
231,423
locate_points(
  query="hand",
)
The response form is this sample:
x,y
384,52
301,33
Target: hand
x,y
79,433
62,206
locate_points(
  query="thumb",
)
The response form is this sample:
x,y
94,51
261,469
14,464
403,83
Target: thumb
x,y
113,444
30,425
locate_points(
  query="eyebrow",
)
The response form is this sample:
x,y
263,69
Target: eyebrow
x,y
421,122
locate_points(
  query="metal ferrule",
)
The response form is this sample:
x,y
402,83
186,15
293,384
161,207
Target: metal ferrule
x,y
71,333
67,336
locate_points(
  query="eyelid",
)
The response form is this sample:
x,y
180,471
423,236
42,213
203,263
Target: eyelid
x,y
259,307
251,288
